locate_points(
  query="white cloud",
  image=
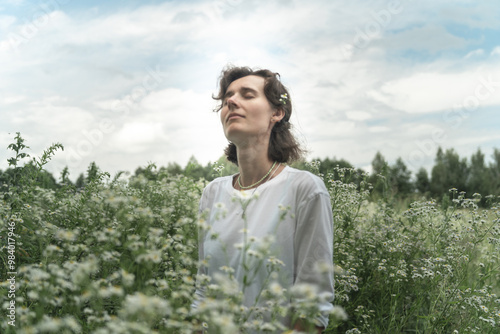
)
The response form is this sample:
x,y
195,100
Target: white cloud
x,y
6,21
439,91
431,38
475,53
379,129
12,99
68,78
358,115
138,135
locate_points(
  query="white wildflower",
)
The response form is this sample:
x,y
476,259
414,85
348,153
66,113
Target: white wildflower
x,y
276,289
338,313
304,290
140,305
151,256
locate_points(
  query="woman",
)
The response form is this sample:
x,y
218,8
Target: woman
x,y
293,206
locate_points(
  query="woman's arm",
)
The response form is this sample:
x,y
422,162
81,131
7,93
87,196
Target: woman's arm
x,y
314,250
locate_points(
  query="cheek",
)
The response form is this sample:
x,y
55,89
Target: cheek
x,y
222,115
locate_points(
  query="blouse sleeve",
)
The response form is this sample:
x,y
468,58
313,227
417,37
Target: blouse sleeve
x,y
314,249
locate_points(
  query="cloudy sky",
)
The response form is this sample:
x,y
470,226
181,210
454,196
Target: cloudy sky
x,y
124,83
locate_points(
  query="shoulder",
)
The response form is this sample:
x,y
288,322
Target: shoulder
x,y
214,191
310,193
217,184
305,181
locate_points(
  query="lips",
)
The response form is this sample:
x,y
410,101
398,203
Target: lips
x,y
233,116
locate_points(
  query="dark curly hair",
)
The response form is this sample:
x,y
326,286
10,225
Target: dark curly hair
x,y
283,146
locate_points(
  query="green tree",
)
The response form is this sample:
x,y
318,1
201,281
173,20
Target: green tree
x,y
80,181
478,180
174,169
400,178
194,169
65,177
422,183
92,172
149,172
379,175
448,172
494,172
46,180
327,165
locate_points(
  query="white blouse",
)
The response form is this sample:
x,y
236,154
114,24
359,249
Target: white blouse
x,y
294,209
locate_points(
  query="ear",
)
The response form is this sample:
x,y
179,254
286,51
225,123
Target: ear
x,y
278,115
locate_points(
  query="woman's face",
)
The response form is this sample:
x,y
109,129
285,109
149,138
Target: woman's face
x,y
246,112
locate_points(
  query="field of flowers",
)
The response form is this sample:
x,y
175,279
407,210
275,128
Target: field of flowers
x,y
120,256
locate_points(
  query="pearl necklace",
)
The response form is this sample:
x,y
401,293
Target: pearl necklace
x,y
256,183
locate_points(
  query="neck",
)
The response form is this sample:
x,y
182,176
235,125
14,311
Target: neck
x,y
253,163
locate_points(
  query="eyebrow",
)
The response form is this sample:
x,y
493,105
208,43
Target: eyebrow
x,y
243,90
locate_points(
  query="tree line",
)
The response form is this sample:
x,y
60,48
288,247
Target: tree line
x,y
450,171
470,175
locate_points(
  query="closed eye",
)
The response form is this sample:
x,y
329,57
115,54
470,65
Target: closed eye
x,y
246,92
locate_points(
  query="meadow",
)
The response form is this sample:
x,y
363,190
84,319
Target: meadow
x,y
120,256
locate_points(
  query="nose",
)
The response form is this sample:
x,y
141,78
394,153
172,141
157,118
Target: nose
x,y
231,102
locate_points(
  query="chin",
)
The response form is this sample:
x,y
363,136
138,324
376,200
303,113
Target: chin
x,y
233,132
237,138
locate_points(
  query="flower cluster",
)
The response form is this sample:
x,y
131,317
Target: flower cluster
x,y
112,258
283,98
394,262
